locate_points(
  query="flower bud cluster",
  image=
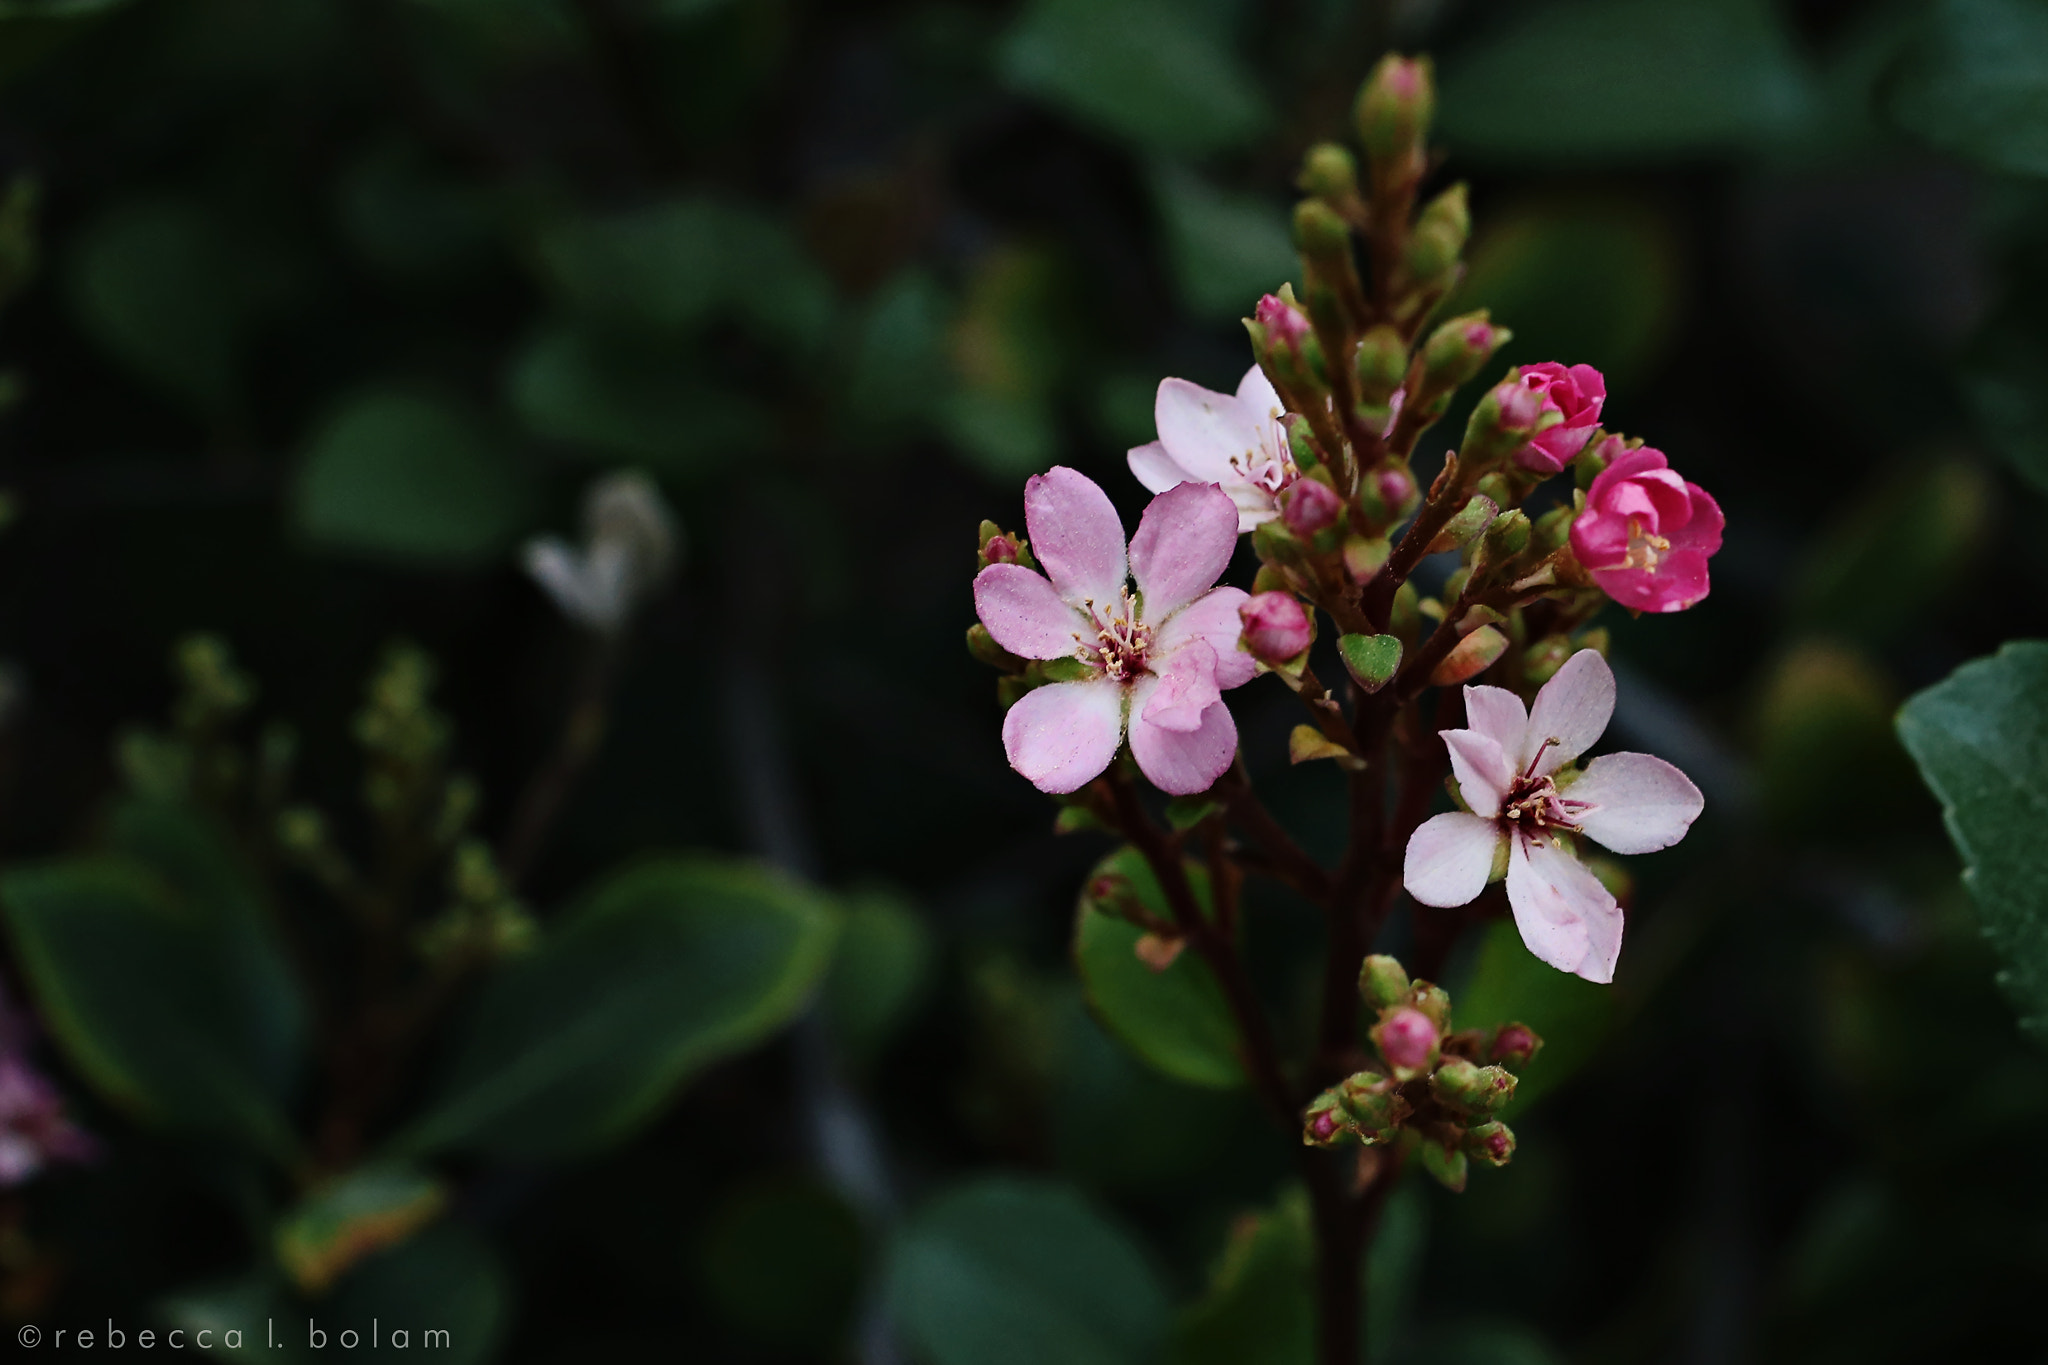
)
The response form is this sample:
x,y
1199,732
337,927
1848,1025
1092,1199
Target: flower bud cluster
x,y
1430,1090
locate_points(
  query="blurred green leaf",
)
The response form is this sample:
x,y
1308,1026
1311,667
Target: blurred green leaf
x,y
1010,349
882,964
898,374
1609,80
657,973
1976,82
1895,551
353,1216
1823,727
413,479
1148,71
1178,1020
401,216
782,1258
1981,740
31,29
1393,1269
150,994
678,266
1508,984
1226,250
1259,1308
1004,437
621,397
2005,383
1583,282
1023,1272
241,1314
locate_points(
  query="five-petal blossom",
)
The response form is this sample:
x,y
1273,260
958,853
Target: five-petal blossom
x,y
1521,798
1233,441
1154,663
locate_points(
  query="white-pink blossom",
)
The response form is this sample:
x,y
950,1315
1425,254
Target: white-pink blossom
x,y
1155,662
1234,441
1511,767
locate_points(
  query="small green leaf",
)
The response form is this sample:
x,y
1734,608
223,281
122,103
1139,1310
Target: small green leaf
x,y
659,972
1371,660
882,964
1178,1019
1508,984
1981,740
1023,1272
1146,71
403,477
1976,82
354,1216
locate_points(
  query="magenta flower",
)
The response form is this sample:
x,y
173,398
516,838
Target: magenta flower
x,y
1235,442
1578,393
1157,661
1524,801
1646,533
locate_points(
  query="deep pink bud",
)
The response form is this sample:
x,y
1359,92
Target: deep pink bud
x,y
1286,325
1514,1045
1407,1039
1276,626
1519,405
1395,485
1646,534
1000,550
1577,394
1324,1126
1310,505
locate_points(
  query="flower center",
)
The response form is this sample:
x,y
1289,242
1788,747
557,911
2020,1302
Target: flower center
x,y
1121,640
1533,804
1645,548
1270,466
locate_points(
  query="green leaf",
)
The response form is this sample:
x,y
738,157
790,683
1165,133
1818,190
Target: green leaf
x,y
1147,71
1226,250
1178,1020
1976,82
1259,1308
620,397
1510,985
354,1216
1023,1272
1371,660
898,367
1981,740
2005,384
1611,80
882,965
1894,551
31,29
662,970
1393,1272
403,477
151,996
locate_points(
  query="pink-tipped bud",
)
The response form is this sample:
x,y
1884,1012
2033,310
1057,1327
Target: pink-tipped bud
x,y
1514,1045
1395,486
1286,325
1276,626
1395,107
1324,1126
1000,550
1520,406
1309,506
1408,1040
1493,1143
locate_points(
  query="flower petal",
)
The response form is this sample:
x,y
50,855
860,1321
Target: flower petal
x,y
1573,709
1076,535
1186,690
1155,468
1702,532
1449,858
1500,715
1256,392
1204,430
1181,763
1483,770
1566,916
1183,545
1635,803
1025,615
1212,617
1061,737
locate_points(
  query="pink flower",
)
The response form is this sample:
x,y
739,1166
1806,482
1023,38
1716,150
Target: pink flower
x,y
1157,661
33,1129
1578,394
1511,772
1646,534
1276,627
1235,442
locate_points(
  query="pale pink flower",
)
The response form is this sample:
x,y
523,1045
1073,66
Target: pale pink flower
x,y
1512,774
1157,660
1577,394
1233,441
34,1130
1646,533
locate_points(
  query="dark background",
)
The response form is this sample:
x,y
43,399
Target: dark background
x,y
841,276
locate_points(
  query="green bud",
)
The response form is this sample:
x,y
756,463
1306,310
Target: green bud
x,y
1373,1102
1395,107
1545,657
1507,537
1458,349
1371,660
1301,442
1325,1124
1405,617
1492,1142
1597,639
1554,529
1467,523
985,650
1481,1089
1382,364
1275,544
1320,232
1330,173
1448,1166
1270,578
1470,657
1382,982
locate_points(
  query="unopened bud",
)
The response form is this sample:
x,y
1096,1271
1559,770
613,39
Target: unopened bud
x,y
1286,324
1509,414
1325,1124
1365,555
1382,982
1301,442
1275,544
1457,350
1482,1089
1513,1045
1395,487
1382,364
1276,627
1492,1142
1309,506
1373,1102
1507,536
1545,657
1000,547
1408,1040
1320,233
1554,528
1329,173
1595,457
1395,107
1438,242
